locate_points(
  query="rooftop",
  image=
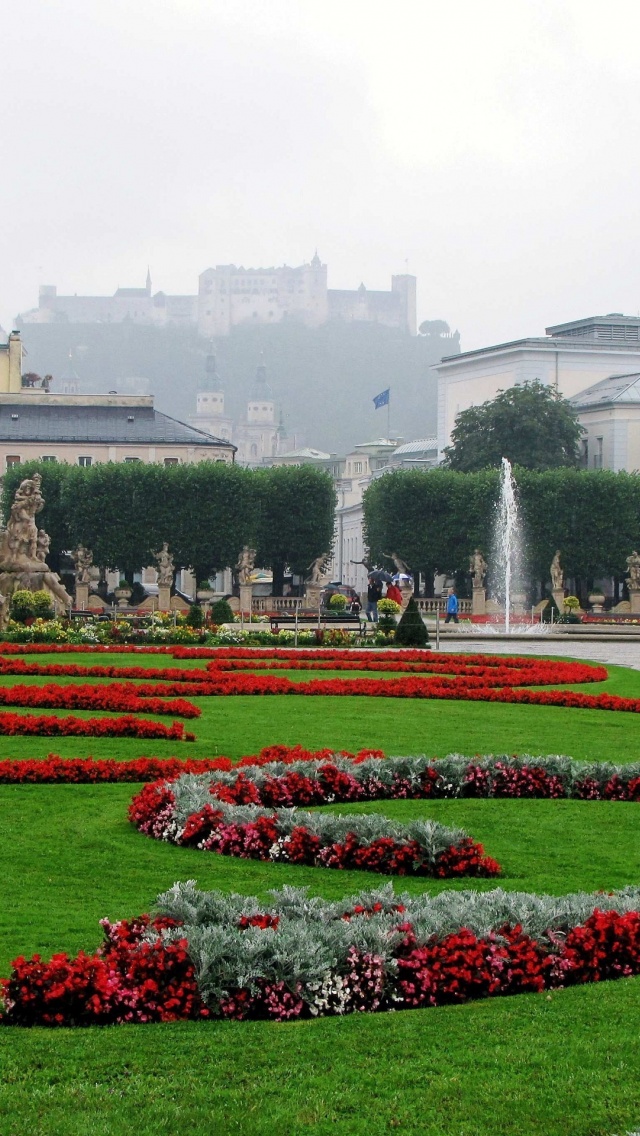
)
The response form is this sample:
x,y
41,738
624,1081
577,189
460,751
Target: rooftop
x,y
418,446
621,390
545,343
68,418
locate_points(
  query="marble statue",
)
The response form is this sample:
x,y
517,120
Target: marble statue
x,y
557,575
24,547
83,560
245,565
478,568
319,576
633,579
165,569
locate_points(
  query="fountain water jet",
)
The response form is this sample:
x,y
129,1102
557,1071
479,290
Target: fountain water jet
x,y
508,540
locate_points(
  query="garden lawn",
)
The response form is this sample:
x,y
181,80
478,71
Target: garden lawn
x,y
565,1064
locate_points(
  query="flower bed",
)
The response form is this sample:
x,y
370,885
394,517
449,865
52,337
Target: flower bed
x,y
289,775
212,955
181,812
125,727
124,696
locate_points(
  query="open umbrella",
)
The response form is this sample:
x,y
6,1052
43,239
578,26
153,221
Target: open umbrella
x,y
380,574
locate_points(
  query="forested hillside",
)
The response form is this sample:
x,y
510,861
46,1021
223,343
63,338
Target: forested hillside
x,y
323,378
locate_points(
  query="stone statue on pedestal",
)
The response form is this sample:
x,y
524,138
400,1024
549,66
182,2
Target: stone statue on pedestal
x,y
477,568
165,569
633,579
319,576
24,547
557,575
245,565
83,560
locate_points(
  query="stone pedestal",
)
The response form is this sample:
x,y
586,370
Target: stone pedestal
x,y
246,598
634,598
479,601
518,602
312,597
82,597
596,599
558,595
164,597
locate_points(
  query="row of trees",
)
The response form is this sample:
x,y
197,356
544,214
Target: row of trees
x,y
206,512
435,519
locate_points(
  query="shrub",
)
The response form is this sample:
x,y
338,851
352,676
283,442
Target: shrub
x,y
338,602
411,630
550,606
31,605
195,616
221,612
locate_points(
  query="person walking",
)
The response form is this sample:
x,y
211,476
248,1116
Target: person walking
x,y
374,593
452,606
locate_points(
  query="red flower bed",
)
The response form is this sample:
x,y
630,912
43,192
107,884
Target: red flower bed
x,y
124,696
137,976
89,770
126,980
124,727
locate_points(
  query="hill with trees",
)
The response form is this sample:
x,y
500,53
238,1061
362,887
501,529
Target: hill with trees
x,y
324,378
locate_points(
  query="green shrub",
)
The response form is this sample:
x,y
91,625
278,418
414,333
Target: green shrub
x,y
338,602
31,605
195,616
221,612
411,630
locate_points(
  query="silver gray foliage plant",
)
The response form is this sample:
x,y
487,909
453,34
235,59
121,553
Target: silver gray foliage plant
x,y
309,948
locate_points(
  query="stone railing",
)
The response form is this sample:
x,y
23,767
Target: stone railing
x,y
431,606
261,604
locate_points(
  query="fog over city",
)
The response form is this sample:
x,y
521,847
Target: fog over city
x,y
488,149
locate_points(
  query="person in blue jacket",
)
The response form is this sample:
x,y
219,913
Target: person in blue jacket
x,y
452,607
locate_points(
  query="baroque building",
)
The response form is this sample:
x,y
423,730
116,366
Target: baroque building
x,y
257,435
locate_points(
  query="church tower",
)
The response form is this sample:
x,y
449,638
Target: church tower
x,y
210,415
258,435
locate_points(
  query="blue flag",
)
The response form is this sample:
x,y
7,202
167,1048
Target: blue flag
x,y
382,399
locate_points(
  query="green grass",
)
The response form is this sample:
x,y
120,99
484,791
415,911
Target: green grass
x,y
566,1065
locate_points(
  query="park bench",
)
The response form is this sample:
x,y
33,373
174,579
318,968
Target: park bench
x,y
343,621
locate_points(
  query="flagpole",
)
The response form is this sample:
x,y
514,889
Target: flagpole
x,y
389,415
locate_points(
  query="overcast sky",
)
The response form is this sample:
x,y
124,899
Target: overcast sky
x,y
493,146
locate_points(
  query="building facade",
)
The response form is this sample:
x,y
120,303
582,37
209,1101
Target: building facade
x,y
571,358
258,436
609,413
228,296
38,424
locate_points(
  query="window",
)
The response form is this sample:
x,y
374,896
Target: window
x,y
597,457
132,459
48,458
357,467
12,459
85,459
172,461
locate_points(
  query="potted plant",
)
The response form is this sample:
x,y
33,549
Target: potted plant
x,y
387,611
204,591
123,592
338,602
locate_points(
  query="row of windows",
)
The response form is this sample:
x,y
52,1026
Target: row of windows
x,y
84,460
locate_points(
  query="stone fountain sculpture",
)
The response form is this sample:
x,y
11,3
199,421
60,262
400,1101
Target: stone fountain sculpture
x,y
24,548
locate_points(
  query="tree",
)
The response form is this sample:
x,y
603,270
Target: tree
x,y
532,425
295,519
213,514
434,519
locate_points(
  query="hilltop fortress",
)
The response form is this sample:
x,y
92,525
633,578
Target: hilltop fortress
x,y
228,296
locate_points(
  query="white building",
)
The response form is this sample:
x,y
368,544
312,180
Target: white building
x,y
609,412
572,357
